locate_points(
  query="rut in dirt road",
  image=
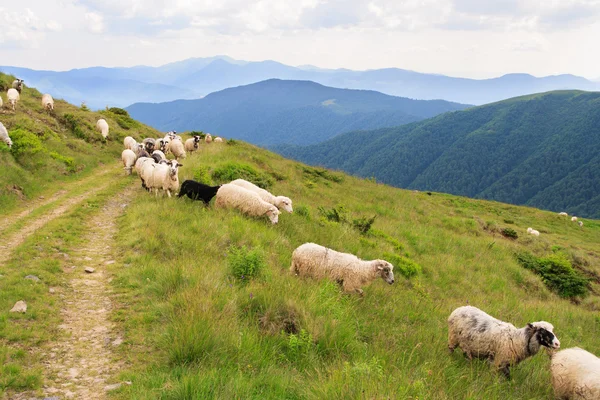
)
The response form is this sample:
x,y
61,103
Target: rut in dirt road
x,y
81,364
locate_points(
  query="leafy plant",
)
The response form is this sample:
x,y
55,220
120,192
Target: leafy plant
x,y
335,214
303,211
245,263
509,233
231,171
403,265
363,224
25,142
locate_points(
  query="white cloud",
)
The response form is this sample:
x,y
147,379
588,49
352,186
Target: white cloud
x,y
95,22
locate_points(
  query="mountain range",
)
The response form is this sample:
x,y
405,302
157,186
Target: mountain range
x,y
297,112
540,150
197,77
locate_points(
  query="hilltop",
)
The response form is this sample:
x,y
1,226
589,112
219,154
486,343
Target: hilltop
x,y
540,150
276,111
190,302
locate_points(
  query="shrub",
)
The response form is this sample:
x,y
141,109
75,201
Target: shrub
x,y
202,175
244,263
509,233
322,173
74,125
198,133
403,265
299,346
231,171
303,211
363,224
232,142
25,142
557,273
118,111
335,214
84,107
68,161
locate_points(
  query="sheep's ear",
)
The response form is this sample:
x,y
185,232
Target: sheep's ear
x,y
531,326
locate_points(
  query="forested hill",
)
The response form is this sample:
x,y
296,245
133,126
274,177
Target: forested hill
x,y
298,112
541,150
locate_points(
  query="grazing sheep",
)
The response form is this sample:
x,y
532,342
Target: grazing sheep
x,y
218,140
159,144
158,155
233,196
208,138
574,219
13,97
580,223
563,214
198,191
18,85
1,103
149,145
483,336
177,149
139,166
192,143
129,158
47,102
161,176
351,272
575,375
533,232
130,143
280,202
102,126
4,136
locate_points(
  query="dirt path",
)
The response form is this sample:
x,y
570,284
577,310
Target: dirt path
x,y
81,364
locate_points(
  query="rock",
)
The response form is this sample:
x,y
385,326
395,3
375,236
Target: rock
x,y
117,342
86,258
33,278
20,306
114,386
52,290
89,270
51,398
110,262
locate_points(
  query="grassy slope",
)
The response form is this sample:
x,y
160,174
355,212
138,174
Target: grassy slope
x,y
193,331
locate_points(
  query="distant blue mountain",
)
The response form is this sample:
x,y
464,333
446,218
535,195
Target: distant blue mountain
x,y
197,77
277,111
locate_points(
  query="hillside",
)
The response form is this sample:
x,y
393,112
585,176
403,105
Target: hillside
x,y
540,150
275,111
196,77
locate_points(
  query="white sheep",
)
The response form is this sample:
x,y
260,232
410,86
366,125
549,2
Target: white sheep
x,y
351,272
218,140
13,97
47,102
208,138
575,375
161,176
18,85
4,135
128,157
480,335
160,155
176,147
192,143
102,126
533,232
580,223
563,214
233,196
130,143
1,103
149,144
574,219
140,163
280,202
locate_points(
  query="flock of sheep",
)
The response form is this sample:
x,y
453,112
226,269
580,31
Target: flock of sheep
x,y
575,372
535,232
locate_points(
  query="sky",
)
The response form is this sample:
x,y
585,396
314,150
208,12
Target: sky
x,y
468,38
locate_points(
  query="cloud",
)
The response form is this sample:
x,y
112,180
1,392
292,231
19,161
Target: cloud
x,y
95,22
23,28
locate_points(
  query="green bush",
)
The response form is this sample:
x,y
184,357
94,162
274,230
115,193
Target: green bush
x,y
245,263
335,214
321,173
202,175
118,111
68,161
557,273
25,142
303,211
197,133
509,233
231,171
363,224
403,265
74,125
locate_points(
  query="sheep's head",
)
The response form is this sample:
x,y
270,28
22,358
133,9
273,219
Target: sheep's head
x,y
543,333
174,166
273,214
385,270
529,230
285,203
196,139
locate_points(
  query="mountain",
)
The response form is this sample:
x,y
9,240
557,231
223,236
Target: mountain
x,y
197,77
541,150
275,111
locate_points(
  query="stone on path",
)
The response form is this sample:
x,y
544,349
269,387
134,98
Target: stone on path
x,y
20,306
33,278
114,386
110,262
89,270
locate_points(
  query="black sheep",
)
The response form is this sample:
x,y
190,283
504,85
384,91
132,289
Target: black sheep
x,y
198,191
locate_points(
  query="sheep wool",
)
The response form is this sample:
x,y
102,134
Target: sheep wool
x,y
47,102
1,103
129,158
233,196
218,140
480,335
533,232
102,126
198,191
18,85
280,202
130,143
351,272
4,135
192,143
13,97
208,138
574,219
575,374
563,214
177,149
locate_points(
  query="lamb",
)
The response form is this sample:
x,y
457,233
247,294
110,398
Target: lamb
x,y
4,136
161,176
349,271
128,157
483,336
130,143
192,143
102,126
208,138
198,191
233,196
533,232
574,219
47,102
218,140
149,144
563,214
575,375
18,85
280,202
177,149
13,97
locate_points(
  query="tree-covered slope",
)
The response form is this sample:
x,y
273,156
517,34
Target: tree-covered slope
x,y
298,112
541,150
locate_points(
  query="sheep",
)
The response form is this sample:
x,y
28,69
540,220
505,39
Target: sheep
x,y
198,191
533,232
218,140
233,196
208,138
483,336
280,202
575,375
1,103
563,214
349,271
18,85
129,158
4,136
140,151
177,149
158,155
192,143
139,166
47,102
162,176
580,223
13,97
102,126
574,219
159,144
149,144
130,143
